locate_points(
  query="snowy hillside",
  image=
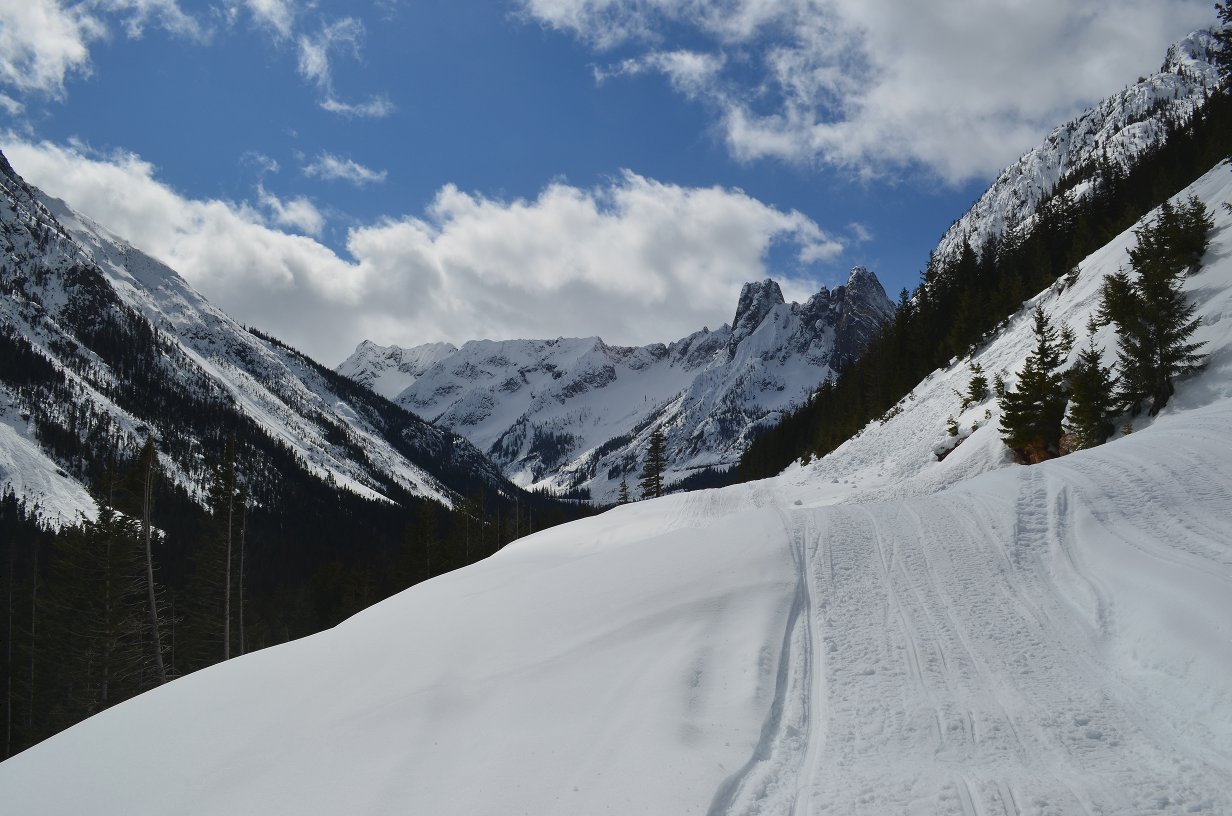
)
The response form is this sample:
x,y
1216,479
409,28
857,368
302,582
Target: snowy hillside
x,y
875,633
572,413
71,288
1115,131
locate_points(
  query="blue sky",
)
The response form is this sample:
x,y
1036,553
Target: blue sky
x,y
409,171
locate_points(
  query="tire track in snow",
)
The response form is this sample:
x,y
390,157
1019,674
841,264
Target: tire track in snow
x,y
767,783
944,656
960,678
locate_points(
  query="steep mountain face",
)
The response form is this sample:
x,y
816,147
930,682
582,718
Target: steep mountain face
x,y
1113,133
577,413
106,345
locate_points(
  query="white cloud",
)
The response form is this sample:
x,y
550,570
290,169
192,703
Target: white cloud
x,y
137,14
44,42
860,234
315,54
633,260
689,72
958,86
295,213
377,107
277,16
263,163
10,105
329,167
41,43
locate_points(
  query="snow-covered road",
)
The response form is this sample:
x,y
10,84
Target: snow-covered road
x,y
1032,642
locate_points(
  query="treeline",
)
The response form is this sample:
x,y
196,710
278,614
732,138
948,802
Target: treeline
x,y
159,586
960,303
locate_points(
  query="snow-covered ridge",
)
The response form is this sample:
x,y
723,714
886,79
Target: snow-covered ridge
x,y
51,250
874,633
1117,131
576,412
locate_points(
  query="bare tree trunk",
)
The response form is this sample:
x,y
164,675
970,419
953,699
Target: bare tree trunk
x,y
109,623
243,539
146,531
226,603
33,618
8,663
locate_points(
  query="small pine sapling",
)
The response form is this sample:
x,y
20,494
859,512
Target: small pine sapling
x,y
977,389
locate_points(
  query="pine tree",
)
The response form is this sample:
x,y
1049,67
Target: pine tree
x,y
1154,323
651,481
1092,405
1031,414
977,389
1223,40
95,637
623,498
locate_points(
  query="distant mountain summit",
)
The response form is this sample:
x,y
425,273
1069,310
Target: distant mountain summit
x,y
1115,132
576,413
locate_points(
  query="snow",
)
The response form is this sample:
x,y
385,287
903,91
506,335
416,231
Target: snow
x,y
281,394
576,412
57,498
1118,129
876,632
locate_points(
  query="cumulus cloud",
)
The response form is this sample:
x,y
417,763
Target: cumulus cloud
x,y
315,55
329,167
957,86
294,213
41,43
44,42
633,260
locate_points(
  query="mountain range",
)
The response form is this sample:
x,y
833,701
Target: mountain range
x,y
577,413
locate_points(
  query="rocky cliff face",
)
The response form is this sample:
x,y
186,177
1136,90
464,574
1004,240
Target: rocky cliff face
x,y
576,413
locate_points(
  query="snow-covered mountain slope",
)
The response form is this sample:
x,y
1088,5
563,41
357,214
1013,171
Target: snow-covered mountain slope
x,y
577,413
1116,131
874,633
105,315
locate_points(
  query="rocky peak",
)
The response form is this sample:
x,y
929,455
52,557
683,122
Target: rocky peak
x,y
863,286
756,301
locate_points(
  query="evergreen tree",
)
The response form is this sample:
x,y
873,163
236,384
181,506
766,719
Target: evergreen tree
x,y
94,638
623,498
1091,402
1154,323
977,388
1032,413
655,465
1223,40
